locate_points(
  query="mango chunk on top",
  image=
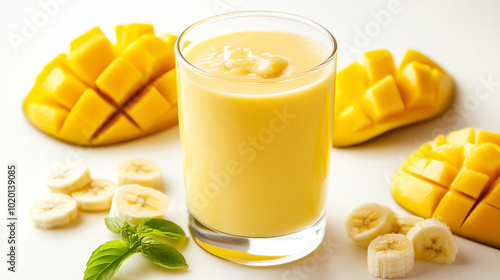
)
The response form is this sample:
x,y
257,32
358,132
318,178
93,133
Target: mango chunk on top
x,y
102,93
389,97
462,190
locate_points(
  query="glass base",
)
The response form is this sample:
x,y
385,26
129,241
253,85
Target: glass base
x,y
259,251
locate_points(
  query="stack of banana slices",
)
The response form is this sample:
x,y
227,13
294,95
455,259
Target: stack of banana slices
x,y
73,188
394,242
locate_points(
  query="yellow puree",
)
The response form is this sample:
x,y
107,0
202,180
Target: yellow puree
x,y
255,156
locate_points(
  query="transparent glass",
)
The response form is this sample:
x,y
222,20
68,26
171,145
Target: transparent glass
x,y
256,151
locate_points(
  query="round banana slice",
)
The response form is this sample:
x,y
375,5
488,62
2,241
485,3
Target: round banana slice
x,y
390,256
96,196
135,202
54,210
404,223
433,241
139,171
68,180
368,221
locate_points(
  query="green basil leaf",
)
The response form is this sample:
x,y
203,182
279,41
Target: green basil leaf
x,y
162,254
160,227
107,259
117,225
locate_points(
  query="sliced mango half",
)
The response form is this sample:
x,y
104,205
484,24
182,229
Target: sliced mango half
x,y
455,179
373,96
100,93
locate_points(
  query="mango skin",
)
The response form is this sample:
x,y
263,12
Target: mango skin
x,y
455,179
368,104
101,94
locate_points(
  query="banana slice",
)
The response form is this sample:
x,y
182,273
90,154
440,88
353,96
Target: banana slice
x,y
68,180
403,224
139,171
433,241
96,196
368,221
390,256
54,210
135,202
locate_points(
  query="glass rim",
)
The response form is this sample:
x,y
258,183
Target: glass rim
x,y
331,55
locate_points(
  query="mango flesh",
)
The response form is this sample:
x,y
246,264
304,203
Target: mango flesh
x,y
455,179
373,96
101,93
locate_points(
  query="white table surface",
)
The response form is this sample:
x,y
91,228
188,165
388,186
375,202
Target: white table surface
x,y
461,35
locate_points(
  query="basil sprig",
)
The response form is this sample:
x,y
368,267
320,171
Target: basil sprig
x,y
145,237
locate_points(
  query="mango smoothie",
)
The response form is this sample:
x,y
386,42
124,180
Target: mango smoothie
x,y
256,130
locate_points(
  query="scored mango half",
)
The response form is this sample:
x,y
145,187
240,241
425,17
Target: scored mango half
x,y
455,179
100,93
373,96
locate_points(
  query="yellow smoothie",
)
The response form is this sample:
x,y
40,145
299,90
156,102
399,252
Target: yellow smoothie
x,y
256,127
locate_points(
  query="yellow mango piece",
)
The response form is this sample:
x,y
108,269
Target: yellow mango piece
x,y
90,58
47,118
354,119
471,204
440,172
96,31
92,109
127,34
415,195
75,131
484,158
417,85
120,80
486,136
483,225
493,195
151,107
120,129
378,64
94,97
449,153
167,85
63,87
470,182
424,89
462,136
382,100
453,209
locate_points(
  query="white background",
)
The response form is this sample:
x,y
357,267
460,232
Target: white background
x,y
461,35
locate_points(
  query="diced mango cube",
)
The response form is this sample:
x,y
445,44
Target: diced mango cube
x,y
484,158
448,152
470,182
120,129
161,53
90,58
416,165
414,56
47,118
354,119
453,209
379,64
87,36
417,85
444,87
127,34
440,172
167,85
63,87
120,80
493,195
76,130
140,58
382,100
417,196
353,82
92,109
486,136
152,106
483,224
462,136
